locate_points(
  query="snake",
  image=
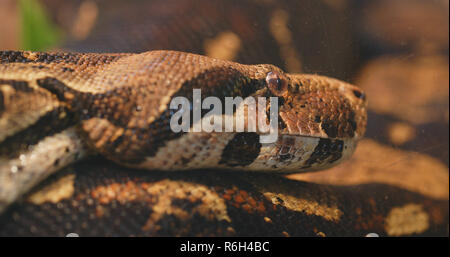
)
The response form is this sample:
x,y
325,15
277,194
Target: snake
x,y
57,108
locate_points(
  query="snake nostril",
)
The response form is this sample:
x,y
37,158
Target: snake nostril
x,y
359,94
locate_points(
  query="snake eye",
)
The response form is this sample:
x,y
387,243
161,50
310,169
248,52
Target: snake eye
x,y
276,83
359,94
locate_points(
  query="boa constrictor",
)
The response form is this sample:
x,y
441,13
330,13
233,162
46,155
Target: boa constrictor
x,y
57,108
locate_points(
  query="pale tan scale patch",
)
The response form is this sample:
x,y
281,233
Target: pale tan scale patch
x,y
7,92
401,132
62,115
165,100
60,189
407,220
117,134
32,56
267,219
69,96
150,119
194,150
22,71
23,108
310,207
224,46
96,127
211,207
161,195
300,199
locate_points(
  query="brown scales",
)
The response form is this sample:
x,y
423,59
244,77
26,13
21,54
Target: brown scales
x,y
123,98
117,105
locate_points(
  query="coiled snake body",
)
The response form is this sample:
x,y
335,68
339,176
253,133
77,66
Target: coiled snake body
x,y
56,108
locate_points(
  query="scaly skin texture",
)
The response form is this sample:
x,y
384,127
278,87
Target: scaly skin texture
x,y
118,105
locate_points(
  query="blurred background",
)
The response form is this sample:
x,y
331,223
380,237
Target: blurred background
x,y
396,50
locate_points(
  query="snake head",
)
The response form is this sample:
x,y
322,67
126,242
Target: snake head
x,y
320,121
